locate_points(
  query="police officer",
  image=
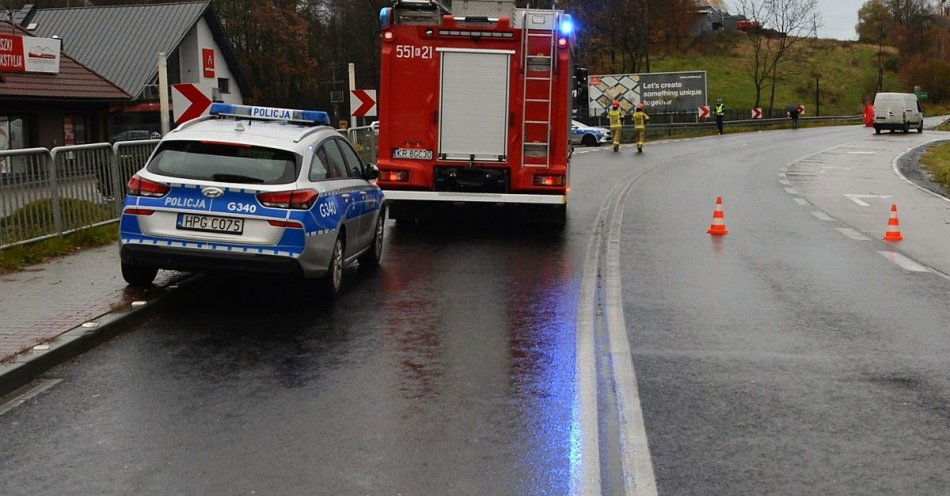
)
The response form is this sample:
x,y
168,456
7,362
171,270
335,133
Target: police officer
x,y
616,123
720,114
640,119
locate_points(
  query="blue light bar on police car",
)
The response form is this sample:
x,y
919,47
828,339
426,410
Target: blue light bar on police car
x,y
270,113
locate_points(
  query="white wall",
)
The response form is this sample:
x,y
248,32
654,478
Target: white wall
x,y
191,68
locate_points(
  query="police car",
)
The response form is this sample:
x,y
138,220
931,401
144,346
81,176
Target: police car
x,y
256,190
582,134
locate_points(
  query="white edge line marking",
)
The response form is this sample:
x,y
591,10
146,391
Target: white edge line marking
x,y
585,452
28,395
897,170
822,216
853,234
801,201
791,191
639,479
904,262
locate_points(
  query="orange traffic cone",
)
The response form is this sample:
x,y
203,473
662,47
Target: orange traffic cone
x,y
893,227
718,227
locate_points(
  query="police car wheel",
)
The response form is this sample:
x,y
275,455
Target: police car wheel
x,y
371,257
589,140
331,282
138,276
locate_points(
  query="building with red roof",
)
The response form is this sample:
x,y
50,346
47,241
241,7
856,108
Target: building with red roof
x,y
49,109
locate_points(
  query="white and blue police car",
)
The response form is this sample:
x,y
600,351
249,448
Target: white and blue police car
x,y
582,134
254,190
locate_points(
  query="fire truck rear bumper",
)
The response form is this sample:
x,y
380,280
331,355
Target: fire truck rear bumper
x,y
448,196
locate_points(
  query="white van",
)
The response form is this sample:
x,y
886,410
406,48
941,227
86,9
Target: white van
x,y
897,112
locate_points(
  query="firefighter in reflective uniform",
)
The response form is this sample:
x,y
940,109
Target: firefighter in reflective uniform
x,y
616,123
640,119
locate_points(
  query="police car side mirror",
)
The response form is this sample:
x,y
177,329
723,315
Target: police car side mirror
x,y
371,173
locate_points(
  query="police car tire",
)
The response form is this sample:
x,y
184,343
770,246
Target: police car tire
x,y
138,276
589,140
371,258
329,285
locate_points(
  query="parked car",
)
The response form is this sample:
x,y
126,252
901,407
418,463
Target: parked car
x,y
897,112
135,135
254,190
582,134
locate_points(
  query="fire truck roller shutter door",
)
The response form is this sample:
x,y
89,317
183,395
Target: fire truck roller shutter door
x,y
474,104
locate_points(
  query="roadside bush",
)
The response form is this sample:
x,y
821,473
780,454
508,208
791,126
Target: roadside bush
x,y
937,161
931,74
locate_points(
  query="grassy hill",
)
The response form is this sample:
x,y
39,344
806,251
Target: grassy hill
x,y
848,74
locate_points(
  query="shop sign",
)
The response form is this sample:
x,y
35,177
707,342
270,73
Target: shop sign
x,y
207,61
29,54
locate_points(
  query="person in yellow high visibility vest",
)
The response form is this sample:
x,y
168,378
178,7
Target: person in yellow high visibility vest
x,y
720,114
640,119
616,123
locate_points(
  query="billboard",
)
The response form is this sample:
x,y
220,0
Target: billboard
x,y
29,54
660,92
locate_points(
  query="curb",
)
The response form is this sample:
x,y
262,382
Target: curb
x,y
30,364
911,156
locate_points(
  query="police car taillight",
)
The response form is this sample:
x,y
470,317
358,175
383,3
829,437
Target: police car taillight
x,y
299,199
144,187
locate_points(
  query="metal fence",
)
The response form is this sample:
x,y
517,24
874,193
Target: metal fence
x,y
46,193
656,130
364,141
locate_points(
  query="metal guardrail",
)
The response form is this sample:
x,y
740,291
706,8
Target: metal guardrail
x,y
667,129
46,193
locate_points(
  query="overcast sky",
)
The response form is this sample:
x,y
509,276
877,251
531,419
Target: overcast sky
x,y
838,18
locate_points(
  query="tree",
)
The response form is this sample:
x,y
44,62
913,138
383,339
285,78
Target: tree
x,y
874,18
786,26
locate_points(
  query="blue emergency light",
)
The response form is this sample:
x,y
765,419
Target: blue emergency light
x,y
270,113
567,25
385,17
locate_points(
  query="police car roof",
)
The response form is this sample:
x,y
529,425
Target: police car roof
x,y
270,134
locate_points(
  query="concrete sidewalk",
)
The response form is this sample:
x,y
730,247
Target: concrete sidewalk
x,y
46,300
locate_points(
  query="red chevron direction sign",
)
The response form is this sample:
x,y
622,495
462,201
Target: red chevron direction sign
x,y
757,113
703,111
188,102
363,103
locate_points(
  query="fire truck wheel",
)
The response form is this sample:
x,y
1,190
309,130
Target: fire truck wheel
x,y
558,216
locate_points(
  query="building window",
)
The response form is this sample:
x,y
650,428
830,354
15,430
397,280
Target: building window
x,y
224,86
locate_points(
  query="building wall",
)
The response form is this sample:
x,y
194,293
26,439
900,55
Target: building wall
x,y
191,68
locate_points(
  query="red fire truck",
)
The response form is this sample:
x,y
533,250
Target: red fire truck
x,y
475,107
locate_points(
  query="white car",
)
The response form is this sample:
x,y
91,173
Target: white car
x,y
897,112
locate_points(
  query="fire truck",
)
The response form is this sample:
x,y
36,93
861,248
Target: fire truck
x,y
475,108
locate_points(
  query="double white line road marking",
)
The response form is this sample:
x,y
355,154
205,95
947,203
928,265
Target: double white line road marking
x,y
638,477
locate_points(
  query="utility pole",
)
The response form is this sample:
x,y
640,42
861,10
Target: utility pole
x,y
352,68
880,62
163,92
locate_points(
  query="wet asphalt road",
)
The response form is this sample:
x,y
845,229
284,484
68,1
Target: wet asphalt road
x,y
783,359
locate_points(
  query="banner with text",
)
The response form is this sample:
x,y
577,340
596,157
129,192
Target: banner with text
x,y
29,54
660,92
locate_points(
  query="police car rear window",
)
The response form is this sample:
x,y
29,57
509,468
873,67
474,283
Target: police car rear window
x,y
224,162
